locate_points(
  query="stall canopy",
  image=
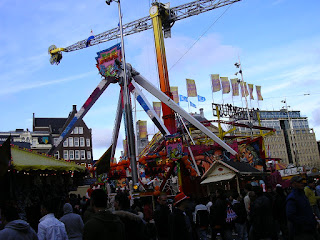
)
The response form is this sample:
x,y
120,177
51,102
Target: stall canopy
x,y
26,160
223,170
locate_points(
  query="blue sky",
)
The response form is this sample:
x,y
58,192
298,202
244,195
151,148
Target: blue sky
x,y
278,42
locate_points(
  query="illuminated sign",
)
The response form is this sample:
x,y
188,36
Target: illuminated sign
x,y
106,61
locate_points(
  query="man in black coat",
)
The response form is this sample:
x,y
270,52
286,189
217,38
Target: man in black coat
x,y
102,224
161,217
179,223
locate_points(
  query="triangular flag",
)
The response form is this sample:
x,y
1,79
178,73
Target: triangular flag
x,y
103,164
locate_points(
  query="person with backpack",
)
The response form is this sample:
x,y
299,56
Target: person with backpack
x,y
201,219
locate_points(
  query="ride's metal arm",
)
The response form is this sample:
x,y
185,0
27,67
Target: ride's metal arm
x,y
142,24
115,133
81,113
175,107
148,109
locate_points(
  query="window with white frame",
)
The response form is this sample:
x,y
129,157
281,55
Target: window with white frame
x,y
88,155
57,155
65,143
88,142
71,155
76,142
70,141
83,154
77,154
65,154
80,130
76,130
81,141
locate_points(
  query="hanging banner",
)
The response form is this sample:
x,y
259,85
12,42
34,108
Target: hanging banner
x,y
175,95
106,61
142,129
191,88
258,89
225,85
125,148
157,108
244,90
235,86
215,81
250,86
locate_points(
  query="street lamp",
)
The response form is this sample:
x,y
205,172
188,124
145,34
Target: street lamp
x,y
238,65
127,105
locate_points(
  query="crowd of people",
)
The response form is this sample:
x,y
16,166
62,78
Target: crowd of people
x,y
254,214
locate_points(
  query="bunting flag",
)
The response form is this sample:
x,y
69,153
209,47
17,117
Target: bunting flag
x,y
235,86
201,99
215,81
250,86
5,156
191,88
258,89
244,90
157,108
225,85
183,98
193,105
175,95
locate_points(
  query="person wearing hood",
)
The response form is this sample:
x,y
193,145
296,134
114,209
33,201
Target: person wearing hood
x,y
15,228
73,222
134,225
103,224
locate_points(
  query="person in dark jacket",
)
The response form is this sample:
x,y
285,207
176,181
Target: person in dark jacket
x,y
103,224
134,225
218,215
240,222
161,217
73,223
180,227
15,228
262,223
279,212
301,221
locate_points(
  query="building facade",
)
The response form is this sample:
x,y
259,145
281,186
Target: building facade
x,y
293,141
78,145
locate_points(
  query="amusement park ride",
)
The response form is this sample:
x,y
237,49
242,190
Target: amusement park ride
x,y
161,19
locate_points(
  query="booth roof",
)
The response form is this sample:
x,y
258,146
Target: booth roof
x,y
25,160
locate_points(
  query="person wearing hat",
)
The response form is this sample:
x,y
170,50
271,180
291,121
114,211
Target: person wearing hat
x,y
301,221
309,190
179,223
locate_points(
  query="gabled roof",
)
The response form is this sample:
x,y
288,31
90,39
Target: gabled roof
x,y
222,170
55,123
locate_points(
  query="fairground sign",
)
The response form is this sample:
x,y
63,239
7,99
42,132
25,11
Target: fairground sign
x,y
230,111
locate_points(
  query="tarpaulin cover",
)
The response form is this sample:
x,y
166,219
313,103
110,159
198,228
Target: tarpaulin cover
x,y
24,160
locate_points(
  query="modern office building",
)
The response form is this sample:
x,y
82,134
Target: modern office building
x,y
293,140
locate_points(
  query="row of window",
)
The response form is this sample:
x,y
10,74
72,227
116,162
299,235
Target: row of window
x,y
77,130
76,142
76,154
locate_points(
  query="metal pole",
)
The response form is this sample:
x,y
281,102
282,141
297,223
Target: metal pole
x,y
127,108
245,97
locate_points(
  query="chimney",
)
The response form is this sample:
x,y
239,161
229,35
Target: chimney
x,y
201,112
74,108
